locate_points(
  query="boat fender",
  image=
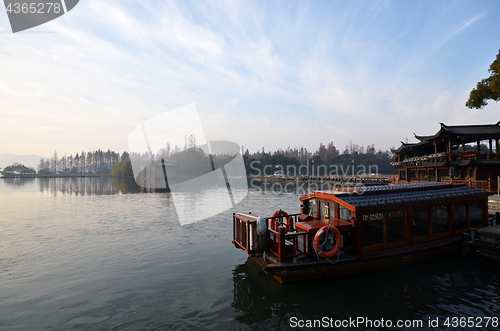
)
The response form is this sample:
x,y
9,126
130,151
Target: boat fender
x,y
318,244
261,226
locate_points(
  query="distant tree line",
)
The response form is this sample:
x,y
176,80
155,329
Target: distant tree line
x,y
18,169
95,162
326,160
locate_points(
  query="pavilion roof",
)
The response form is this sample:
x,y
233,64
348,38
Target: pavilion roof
x,y
466,133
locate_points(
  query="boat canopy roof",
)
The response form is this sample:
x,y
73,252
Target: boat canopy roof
x,y
383,196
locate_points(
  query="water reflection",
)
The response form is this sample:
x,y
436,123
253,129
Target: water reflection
x,y
125,185
18,181
76,185
456,286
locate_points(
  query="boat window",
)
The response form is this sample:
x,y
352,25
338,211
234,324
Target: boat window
x,y
326,208
373,229
440,220
312,207
331,207
476,213
321,210
344,213
421,222
396,225
460,217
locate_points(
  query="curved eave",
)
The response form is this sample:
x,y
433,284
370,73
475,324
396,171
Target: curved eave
x,y
427,138
434,136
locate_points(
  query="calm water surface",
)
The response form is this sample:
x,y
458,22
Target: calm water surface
x,y
96,254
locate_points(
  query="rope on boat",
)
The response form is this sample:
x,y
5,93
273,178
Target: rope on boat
x,y
324,242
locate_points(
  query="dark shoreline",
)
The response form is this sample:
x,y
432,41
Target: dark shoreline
x,y
66,176
352,179
385,179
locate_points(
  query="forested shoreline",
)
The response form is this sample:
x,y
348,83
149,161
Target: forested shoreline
x,y
326,160
95,163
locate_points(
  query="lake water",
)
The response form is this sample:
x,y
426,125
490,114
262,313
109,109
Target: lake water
x,y
97,254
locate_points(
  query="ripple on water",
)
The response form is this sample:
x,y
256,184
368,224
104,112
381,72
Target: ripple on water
x,y
80,261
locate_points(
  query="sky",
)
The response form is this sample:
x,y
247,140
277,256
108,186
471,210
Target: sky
x,y
272,74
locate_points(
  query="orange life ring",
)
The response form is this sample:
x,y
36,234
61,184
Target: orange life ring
x,y
288,220
318,245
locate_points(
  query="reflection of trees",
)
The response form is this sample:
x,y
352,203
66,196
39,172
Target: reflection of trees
x,y
77,185
18,181
125,185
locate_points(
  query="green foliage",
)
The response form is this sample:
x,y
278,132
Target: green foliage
x,y
122,168
18,169
486,89
125,185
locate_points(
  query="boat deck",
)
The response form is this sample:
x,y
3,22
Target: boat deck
x,y
301,268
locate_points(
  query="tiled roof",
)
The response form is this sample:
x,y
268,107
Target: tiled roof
x,y
465,130
483,130
393,195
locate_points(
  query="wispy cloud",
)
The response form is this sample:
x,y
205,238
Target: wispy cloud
x,y
331,71
462,27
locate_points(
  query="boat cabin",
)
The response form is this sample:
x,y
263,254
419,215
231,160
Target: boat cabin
x,y
364,222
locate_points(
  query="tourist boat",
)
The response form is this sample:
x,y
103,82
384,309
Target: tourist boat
x,y
353,230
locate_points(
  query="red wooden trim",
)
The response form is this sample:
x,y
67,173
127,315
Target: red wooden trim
x,y
357,233
281,243
409,223
451,218
243,247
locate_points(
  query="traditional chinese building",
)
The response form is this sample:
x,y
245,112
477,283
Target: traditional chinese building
x,y
461,154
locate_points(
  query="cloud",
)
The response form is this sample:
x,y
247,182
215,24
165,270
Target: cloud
x,y
318,73
462,27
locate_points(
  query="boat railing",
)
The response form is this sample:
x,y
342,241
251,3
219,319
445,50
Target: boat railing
x,y
283,242
245,234
286,244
